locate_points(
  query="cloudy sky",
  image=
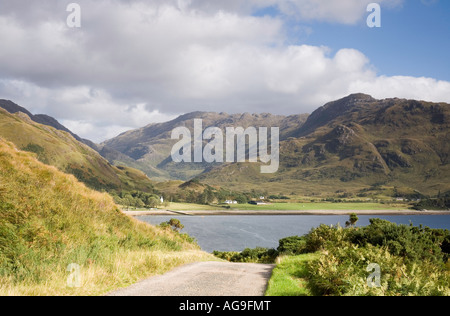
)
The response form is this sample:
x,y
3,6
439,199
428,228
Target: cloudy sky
x,y
134,62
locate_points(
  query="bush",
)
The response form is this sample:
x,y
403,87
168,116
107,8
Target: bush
x,y
324,235
292,245
256,255
343,272
174,224
413,243
411,260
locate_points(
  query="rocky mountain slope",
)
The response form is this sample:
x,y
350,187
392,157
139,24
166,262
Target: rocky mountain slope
x,y
347,145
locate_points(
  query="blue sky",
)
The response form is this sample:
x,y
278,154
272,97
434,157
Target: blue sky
x,y
414,39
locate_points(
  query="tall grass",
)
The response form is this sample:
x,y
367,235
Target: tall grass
x,y
290,276
49,220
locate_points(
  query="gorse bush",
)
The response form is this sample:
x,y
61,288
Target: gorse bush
x,y
412,260
343,271
323,236
292,245
412,243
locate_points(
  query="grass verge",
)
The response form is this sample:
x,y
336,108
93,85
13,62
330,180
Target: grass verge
x,y
289,278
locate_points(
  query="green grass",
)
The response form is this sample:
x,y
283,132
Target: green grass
x,y
289,276
319,206
190,207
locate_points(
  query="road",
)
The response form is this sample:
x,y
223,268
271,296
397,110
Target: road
x,y
205,279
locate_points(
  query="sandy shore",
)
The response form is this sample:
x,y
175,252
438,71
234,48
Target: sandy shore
x,y
275,212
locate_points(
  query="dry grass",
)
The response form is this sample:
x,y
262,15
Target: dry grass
x,y
121,270
49,220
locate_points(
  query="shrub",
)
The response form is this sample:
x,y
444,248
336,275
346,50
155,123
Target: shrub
x,y
256,255
342,271
413,243
411,260
292,245
323,235
174,224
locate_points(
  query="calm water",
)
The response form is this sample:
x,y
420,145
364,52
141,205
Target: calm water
x,y
235,233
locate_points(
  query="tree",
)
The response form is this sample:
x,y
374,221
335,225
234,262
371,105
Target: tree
x,y
241,199
128,201
152,201
175,224
352,220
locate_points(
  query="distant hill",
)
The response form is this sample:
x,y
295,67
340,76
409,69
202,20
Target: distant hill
x,y
57,147
149,148
347,146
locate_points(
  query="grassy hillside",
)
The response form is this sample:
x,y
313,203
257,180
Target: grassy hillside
x,y
49,220
60,149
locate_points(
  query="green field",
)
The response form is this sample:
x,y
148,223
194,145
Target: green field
x,y
319,206
316,206
191,207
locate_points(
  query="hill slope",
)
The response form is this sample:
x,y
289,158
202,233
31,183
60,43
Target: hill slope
x,y
43,119
60,149
49,220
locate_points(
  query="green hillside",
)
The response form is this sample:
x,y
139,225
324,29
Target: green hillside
x,y
60,149
49,220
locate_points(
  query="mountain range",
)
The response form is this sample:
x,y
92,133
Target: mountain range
x,y
348,146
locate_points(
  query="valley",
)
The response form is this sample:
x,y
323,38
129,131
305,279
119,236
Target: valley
x,y
356,149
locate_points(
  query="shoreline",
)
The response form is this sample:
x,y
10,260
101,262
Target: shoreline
x,y
275,212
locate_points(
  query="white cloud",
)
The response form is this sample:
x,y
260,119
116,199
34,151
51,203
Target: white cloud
x,y
89,113
133,62
334,11
337,11
426,89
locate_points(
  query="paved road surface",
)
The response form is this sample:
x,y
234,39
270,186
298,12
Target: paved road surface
x,y
205,279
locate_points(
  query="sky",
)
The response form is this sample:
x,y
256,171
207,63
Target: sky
x,y
136,62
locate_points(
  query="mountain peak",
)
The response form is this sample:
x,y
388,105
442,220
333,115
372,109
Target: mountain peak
x,y
334,109
360,97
